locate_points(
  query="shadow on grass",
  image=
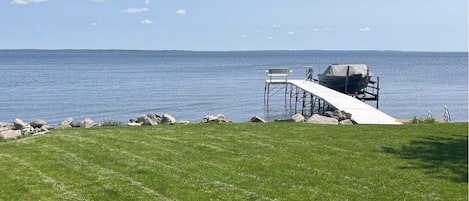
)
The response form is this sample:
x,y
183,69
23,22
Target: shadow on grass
x,y
441,157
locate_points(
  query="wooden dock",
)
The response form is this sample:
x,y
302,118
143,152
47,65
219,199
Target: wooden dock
x,y
362,113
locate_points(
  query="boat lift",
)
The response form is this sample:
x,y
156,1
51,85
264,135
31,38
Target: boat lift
x,y
303,101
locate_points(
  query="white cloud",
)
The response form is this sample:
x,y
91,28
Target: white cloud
x,y
365,29
243,36
93,24
147,2
147,21
135,10
270,38
291,33
181,12
24,2
274,25
316,29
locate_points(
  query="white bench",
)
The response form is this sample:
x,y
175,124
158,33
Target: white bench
x,y
278,72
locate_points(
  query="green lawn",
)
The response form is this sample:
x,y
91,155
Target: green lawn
x,y
245,161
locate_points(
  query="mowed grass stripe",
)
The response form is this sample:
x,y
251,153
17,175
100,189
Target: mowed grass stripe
x,y
198,150
63,191
278,161
285,162
129,167
104,174
202,183
212,150
88,177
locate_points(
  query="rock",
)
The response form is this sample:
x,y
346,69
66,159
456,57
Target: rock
x,y
45,128
88,123
19,124
183,122
337,114
168,119
257,119
298,117
318,119
134,124
347,115
10,134
215,118
38,123
35,130
76,124
149,119
346,122
67,123
39,133
28,130
6,126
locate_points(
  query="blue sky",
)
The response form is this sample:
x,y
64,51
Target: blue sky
x,y
409,25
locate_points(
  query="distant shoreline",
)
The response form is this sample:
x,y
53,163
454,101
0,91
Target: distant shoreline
x,y
236,51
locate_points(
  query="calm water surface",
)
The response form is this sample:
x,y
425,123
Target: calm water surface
x,y
119,85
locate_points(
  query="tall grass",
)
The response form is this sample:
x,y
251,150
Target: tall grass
x,y
275,161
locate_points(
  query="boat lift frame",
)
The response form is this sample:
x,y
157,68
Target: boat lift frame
x,y
301,101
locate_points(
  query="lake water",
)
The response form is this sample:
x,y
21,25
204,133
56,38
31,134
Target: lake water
x,y
120,84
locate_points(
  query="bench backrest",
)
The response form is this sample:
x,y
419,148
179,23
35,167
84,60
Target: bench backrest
x,y
278,72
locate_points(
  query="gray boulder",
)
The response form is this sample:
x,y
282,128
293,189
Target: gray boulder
x,y
19,124
215,118
149,119
45,128
76,124
298,117
38,123
318,119
257,119
337,114
28,130
134,124
6,126
10,134
346,114
346,122
65,123
168,119
88,123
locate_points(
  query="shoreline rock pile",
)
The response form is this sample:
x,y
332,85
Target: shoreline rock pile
x,y
19,128
153,119
71,123
336,117
215,118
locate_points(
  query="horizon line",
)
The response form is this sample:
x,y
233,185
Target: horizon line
x,y
254,50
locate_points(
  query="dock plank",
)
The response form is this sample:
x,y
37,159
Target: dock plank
x,y
362,113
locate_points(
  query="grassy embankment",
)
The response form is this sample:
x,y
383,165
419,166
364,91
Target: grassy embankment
x,y
275,161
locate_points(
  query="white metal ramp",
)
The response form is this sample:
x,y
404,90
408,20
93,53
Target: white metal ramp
x,y
362,113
